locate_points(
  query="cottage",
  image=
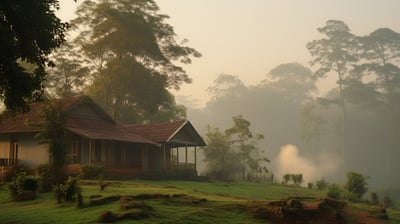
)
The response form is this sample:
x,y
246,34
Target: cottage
x,y
94,138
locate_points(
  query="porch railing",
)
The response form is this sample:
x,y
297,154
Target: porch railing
x,y
5,162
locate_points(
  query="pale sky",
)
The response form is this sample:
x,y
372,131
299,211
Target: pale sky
x,y
248,38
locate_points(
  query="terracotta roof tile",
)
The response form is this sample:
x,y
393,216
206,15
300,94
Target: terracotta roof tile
x,y
158,132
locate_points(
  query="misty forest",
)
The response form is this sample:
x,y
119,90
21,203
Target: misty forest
x,y
129,60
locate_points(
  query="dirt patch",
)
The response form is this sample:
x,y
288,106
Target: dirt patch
x,y
366,217
326,211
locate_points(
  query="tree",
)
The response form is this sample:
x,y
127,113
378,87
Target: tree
x,y
294,79
226,86
336,52
29,31
54,134
222,162
245,144
68,77
134,53
235,151
356,184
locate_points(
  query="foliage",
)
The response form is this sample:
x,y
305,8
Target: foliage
x,y
374,198
69,192
294,79
297,179
222,162
22,183
11,171
388,202
69,75
92,171
356,185
53,134
30,30
133,54
45,177
234,151
335,192
322,184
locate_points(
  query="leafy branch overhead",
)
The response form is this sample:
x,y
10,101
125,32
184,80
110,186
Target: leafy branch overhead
x,y
29,30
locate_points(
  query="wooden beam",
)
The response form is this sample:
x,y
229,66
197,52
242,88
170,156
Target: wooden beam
x,y
186,155
177,156
195,157
90,151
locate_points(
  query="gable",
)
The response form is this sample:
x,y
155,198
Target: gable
x,y
179,133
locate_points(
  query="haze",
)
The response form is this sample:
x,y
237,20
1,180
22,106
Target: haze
x,y
246,40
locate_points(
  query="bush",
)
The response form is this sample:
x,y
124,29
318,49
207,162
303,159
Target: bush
x,y
335,192
322,184
45,180
22,183
374,198
14,170
356,184
92,171
70,191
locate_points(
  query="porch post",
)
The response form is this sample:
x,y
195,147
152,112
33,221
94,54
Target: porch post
x,y
90,151
195,157
186,157
177,156
164,164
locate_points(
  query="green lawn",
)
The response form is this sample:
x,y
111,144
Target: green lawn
x,y
203,202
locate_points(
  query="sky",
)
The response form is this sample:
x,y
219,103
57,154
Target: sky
x,y
249,38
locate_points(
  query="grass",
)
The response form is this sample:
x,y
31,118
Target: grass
x,y
204,202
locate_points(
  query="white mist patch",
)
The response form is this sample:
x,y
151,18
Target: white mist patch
x,y
289,161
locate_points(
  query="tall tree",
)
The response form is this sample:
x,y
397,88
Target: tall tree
x,y
294,79
381,57
135,52
68,77
29,31
336,52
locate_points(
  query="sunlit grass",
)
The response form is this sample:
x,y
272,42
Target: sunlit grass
x,y
223,202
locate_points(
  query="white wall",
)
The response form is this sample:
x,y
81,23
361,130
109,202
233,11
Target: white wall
x,y
4,146
30,152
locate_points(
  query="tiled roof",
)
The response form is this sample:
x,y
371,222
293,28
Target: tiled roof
x,y
26,122
158,132
100,127
86,118
168,132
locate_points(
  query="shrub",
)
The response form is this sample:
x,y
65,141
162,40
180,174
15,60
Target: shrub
x,y
334,192
45,180
14,170
356,184
21,184
92,171
322,184
70,191
374,198
388,202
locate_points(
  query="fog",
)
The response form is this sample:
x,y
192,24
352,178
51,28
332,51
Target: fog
x,y
289,160
302,133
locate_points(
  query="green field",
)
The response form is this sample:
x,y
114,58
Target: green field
x,y
168,202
